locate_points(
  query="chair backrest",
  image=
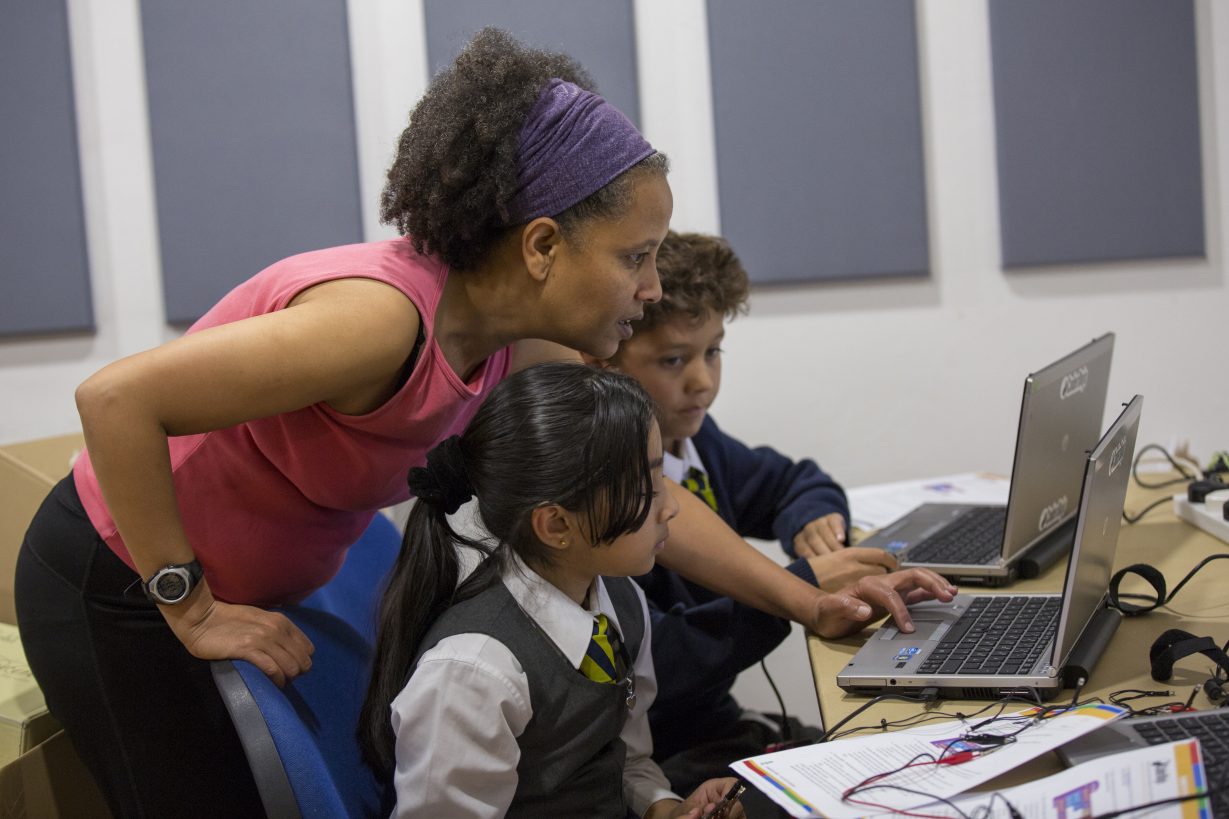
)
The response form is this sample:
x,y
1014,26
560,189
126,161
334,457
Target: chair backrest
x,y
300,740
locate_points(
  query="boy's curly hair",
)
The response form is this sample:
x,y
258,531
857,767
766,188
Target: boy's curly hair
x,y
700,274
455,171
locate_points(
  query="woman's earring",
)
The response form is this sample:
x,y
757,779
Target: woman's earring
x,y
563,544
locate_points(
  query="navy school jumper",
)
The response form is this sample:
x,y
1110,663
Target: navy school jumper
x,y
701,641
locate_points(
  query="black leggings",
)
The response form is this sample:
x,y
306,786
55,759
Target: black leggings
x,y
141,711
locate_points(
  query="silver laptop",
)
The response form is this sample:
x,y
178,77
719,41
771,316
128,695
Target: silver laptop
x,y
1211,728
1060,418
990,645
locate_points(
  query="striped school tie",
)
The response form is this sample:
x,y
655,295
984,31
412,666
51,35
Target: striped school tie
x,y
697,484
599,663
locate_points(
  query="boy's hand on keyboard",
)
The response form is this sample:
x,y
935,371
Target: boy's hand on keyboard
x,y
853,607
836,570
822,536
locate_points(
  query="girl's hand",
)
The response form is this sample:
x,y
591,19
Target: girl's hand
x,y
821,536
213,630
836,570
849,610
700,804
706,798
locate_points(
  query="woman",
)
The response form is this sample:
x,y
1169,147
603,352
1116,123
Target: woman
x,y
231,468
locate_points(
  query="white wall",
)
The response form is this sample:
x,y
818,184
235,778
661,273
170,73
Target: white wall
x,y
878,380
904,379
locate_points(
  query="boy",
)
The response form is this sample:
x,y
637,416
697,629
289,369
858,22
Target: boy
x,y
701,640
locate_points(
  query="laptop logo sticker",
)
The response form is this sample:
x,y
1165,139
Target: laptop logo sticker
x,y
1052,514
1118,453
1073,383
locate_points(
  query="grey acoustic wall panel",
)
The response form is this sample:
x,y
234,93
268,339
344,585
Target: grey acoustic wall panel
x,y
44,272
1097,119
252,123
599,34
819,137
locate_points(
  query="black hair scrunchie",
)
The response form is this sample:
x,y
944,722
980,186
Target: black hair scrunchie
x,y
443,483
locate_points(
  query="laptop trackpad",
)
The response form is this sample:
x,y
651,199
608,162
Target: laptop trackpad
x,y
923,630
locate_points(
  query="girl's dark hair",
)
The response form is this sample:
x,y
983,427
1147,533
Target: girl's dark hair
x,y
558,433
455,171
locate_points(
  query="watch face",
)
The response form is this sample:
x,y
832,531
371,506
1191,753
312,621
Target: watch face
x,y
172,586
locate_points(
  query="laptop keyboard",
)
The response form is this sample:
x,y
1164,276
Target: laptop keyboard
x,y
974,538
997,634
1211,728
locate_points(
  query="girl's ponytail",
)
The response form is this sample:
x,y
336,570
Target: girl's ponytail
x,y
421,586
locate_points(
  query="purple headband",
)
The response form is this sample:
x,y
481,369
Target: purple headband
x,y
573,144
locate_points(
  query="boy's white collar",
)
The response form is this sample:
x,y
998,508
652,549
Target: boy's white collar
x,y
675,467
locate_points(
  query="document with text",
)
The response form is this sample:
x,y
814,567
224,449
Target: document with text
x,y
815,780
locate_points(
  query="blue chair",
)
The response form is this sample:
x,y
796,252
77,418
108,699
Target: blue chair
x,y
300,740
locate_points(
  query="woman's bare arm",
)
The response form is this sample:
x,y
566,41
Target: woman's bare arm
x,y
706,551
343,342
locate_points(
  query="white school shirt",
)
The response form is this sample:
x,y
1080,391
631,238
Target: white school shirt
x,y
458,717
676,467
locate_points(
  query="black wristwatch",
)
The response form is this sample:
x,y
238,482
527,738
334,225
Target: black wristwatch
x,y
172,584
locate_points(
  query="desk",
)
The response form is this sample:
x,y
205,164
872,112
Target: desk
x,y
1161,539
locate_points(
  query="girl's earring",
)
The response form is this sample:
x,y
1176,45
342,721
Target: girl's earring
x,y
563,544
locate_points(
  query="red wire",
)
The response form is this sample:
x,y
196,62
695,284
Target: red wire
x,y
957,758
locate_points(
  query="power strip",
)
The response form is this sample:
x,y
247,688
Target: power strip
x,y
1197,514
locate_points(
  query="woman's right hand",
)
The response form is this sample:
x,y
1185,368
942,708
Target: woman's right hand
x,y
849,610
213,630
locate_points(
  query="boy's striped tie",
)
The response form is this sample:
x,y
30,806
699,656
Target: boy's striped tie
x,y
599,663
697,484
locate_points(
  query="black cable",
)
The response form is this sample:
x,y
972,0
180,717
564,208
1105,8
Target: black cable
x,y
1174,592
1135,519
1011,809
827,735
917,719
930,796
1181,468
787,734
1204,794
1123,697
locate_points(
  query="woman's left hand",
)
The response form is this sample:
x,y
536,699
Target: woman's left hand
x,y
849,610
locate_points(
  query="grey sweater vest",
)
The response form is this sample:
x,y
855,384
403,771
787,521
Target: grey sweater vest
x,y
571,755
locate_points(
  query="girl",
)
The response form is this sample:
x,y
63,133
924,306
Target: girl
x,y
529,685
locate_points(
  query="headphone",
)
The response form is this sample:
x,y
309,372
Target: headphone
x,y
1175,644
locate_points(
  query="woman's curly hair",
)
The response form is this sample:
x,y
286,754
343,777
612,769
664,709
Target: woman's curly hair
x,y
700,275
455,171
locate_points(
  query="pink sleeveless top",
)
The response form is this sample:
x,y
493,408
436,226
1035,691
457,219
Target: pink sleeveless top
x,y
270,506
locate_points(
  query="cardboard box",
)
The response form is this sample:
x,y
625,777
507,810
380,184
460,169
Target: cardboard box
x,y
24,719
28,470
50,782
48,779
